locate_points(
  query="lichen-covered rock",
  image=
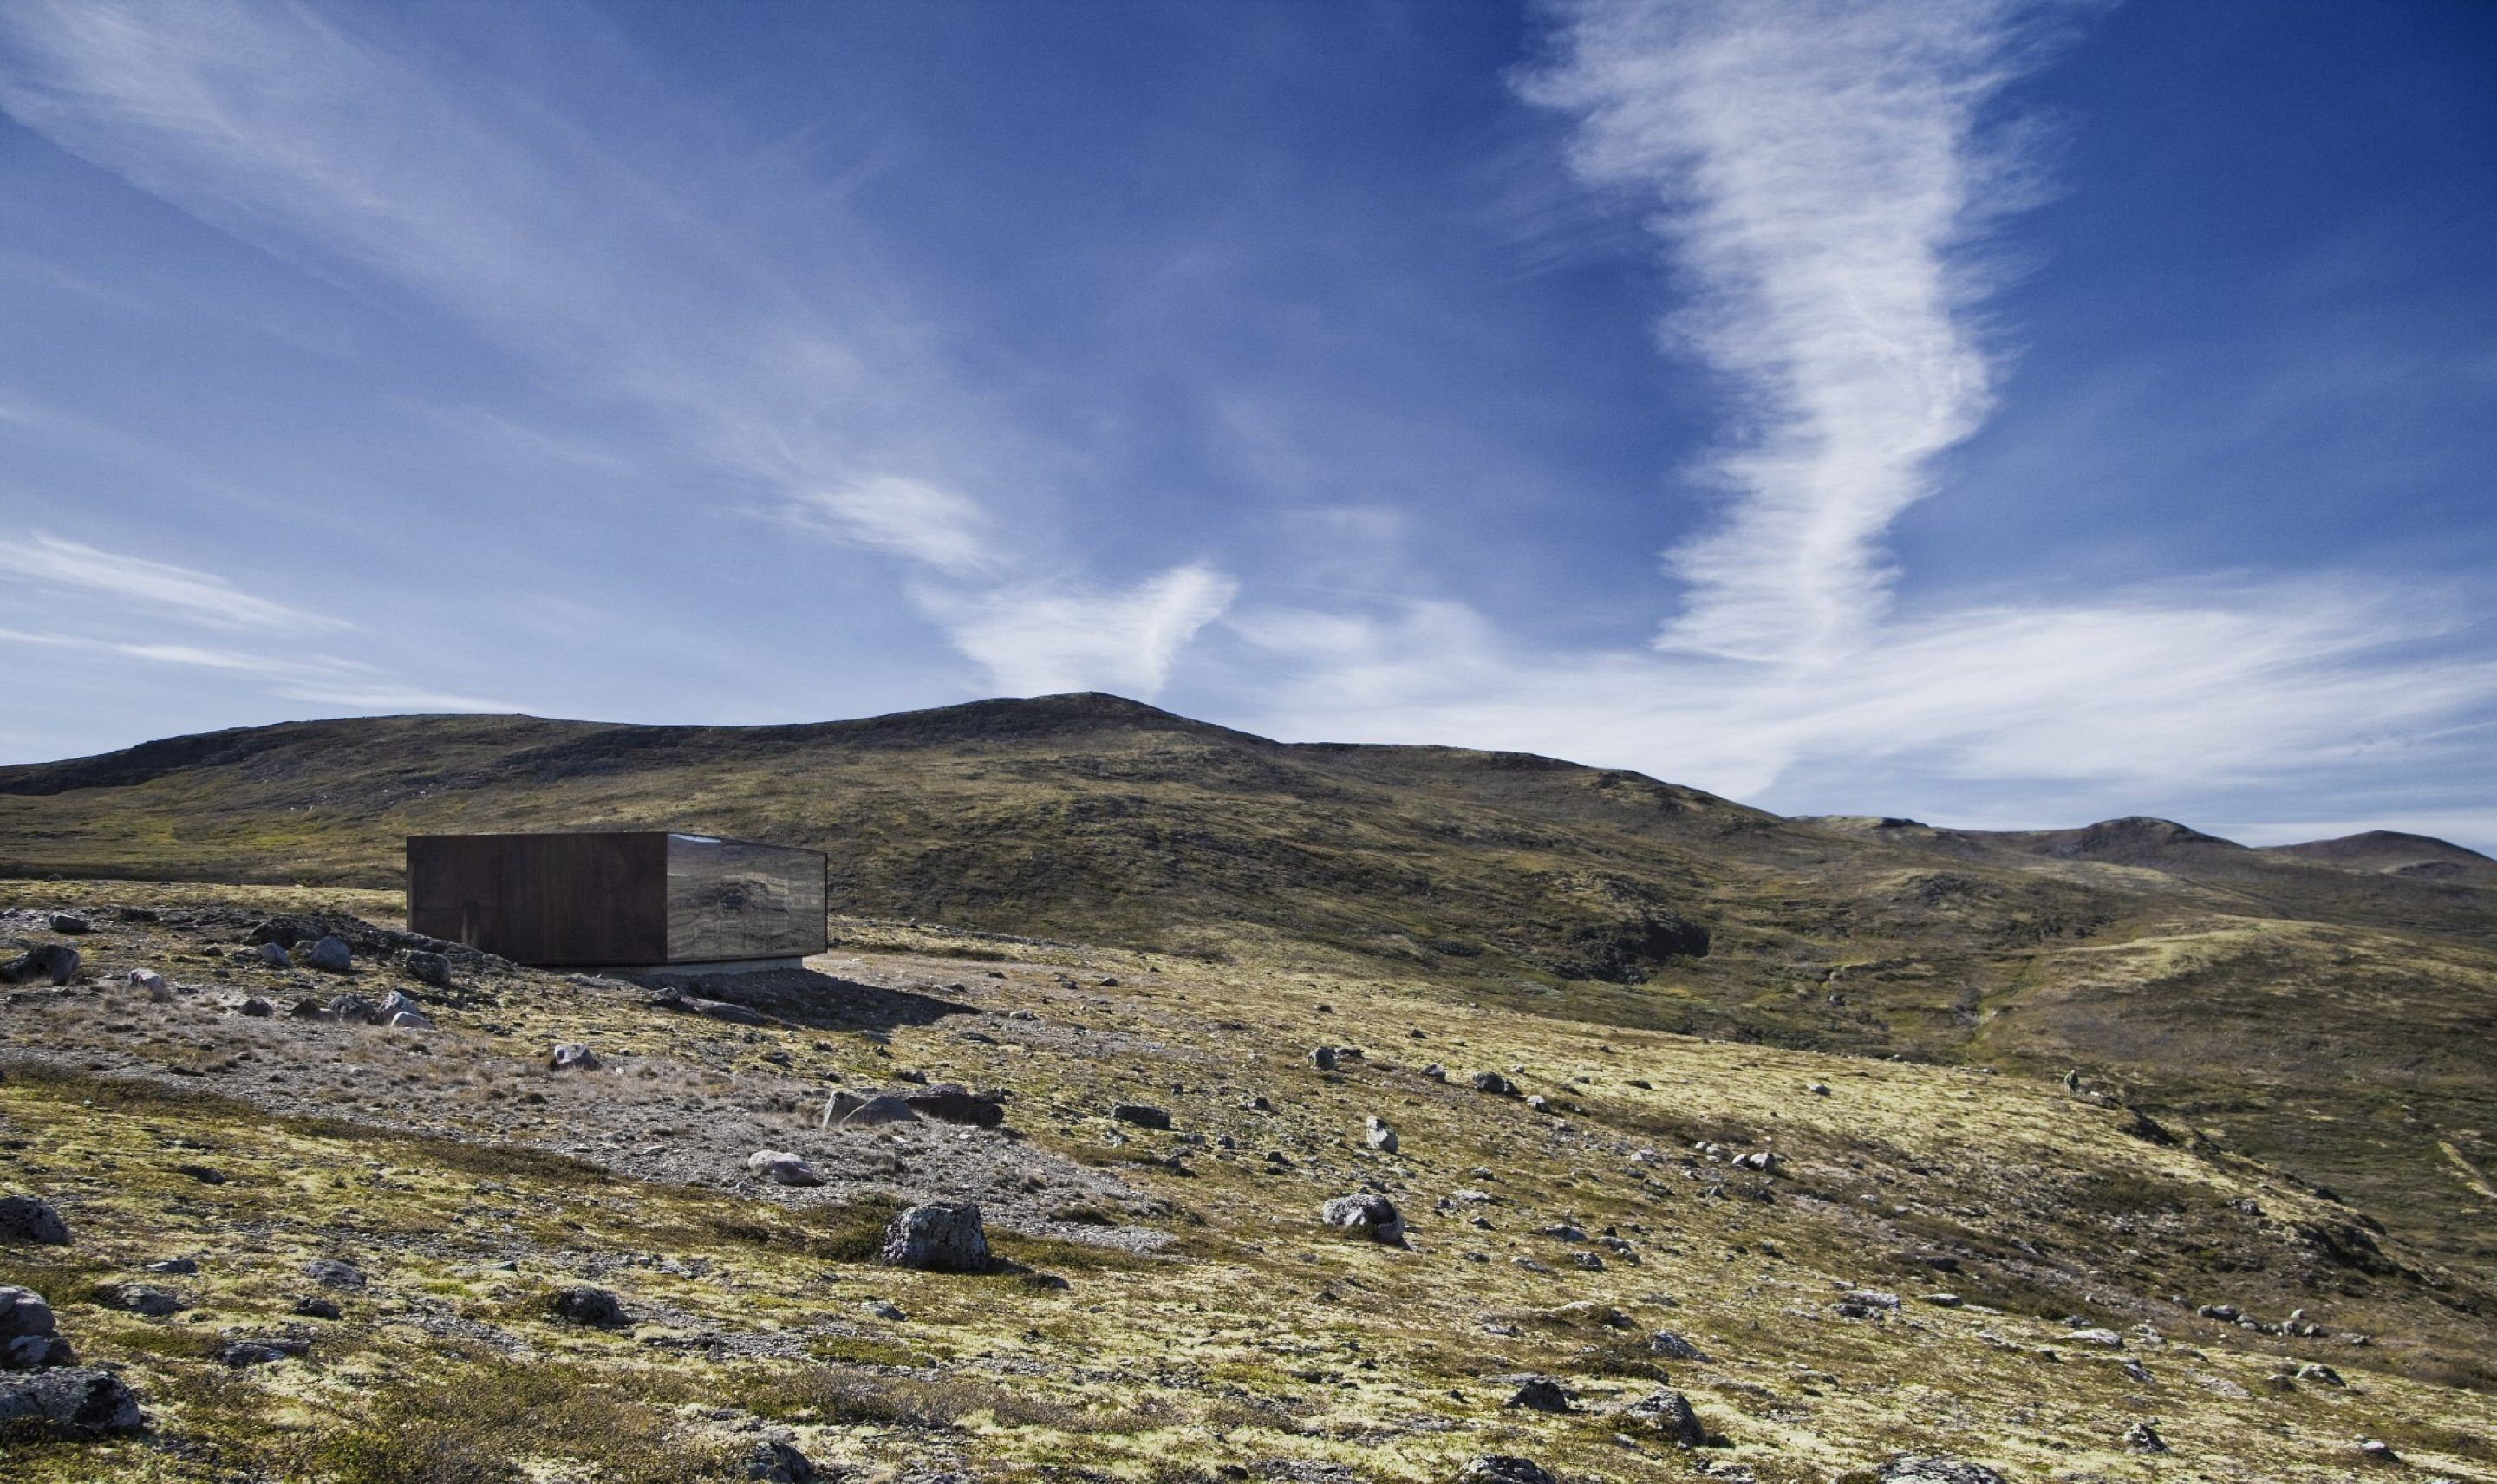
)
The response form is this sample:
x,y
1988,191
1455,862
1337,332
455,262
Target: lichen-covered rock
x,y
1492,1082
595,1308
25,1220
1366,1214
944,1237
55,962
1539,1394
1909,1469
1379,1136
1504,1469
28,1336
328,953
330,1273
430,968
1667,1412
783,1168
776,1461
146,1299
72,1404
1673,1346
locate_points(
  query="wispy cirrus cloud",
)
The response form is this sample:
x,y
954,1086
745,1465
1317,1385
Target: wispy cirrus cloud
x,y
1814,174
133,583
336,141
1054,637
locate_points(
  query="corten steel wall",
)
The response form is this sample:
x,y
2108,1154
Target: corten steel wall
x,y
616,897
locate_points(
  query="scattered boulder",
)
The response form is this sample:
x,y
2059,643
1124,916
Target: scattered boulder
x,y
1494,1084
146,1299
949,1102
29,1336
256,1008
174,1265
25,1220
783,1168
262,1350
2098,1337
2378,1451
71,922
1323,1058
330,1273
944,1237
328,953
2142,1437
394,1003
1379,1136
148,982
595,1308
431,969
774,1462
1667,1412
572,1056
1540,1394
1673,1346
1435,1072
66,1403
353,1009
273,956
312,1307
56,962
1504,1469
852,1110
1142,1114
2321,1373
410,1020
1366,1214
1908,1468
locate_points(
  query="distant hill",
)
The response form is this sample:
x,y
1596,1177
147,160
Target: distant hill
x,y
2326,1003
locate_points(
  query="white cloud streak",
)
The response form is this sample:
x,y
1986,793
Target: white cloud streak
x,y
1815,177
69,567
329,142
1038,639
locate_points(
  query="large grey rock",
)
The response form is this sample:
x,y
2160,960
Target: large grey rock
x,y
1366,1214
952,1103
1323,1058
430,968
70,922
26,1219
55,962
23,1312
353,1009
1379,1136
593,1306
262,1350
774,1462
328,953
1142,1114
330,1273
1492,1083
146,1299
1673,1346
395,1003
783,1168
846,1109
1504,1469
68,1404
271,955
1667,1412
1908,1468
148,982
572,1056
1539,1394
944,1237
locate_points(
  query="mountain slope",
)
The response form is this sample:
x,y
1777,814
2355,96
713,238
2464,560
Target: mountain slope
x,y
2338,1020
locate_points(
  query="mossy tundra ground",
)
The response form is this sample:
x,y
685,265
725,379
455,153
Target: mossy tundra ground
x,y
1168,1304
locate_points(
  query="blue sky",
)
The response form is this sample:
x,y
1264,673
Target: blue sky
x,y
2000,413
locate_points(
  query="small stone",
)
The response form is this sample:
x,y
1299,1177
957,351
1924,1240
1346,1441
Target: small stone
x,y
1492,1082
1908,1468
351,1009
1366,1214
71,922
263,1350
2142,1437
944,1237
572,1056
2376,1450
330,1273
1944,1300
2098,1337
432,969
142,1299
1142,1114
25,1220
783,1168
272,956
311,1308
1323,1058
1540,1394
774,1462
1379,1136
174,1265
1668,1412
1588,1261
72,1405
595,1308
1673,1346
848,1110
148,982
1538,1102
328,953
1503,1469
2319,1374
883,1308
409,1020
256,1008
